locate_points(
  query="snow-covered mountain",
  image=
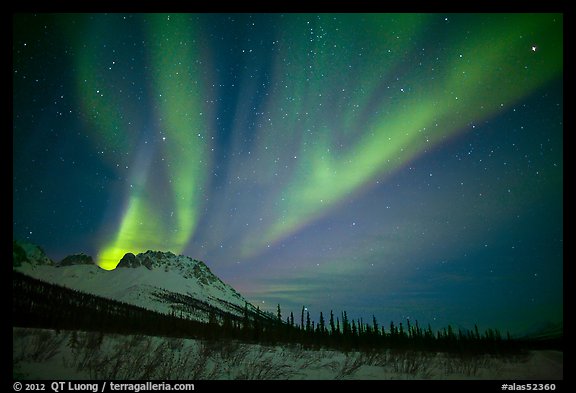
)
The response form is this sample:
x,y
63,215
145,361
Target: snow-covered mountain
x,y
160,281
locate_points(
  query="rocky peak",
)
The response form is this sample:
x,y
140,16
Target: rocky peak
x,y
76,259
28,253
128,260
188,267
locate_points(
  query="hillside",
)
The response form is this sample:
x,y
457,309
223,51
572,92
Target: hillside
x,y
159,281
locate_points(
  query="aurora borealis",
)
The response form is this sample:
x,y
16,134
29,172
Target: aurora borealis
x,y
396,165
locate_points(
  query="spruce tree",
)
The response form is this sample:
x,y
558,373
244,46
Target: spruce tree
x,y
417,330
245,319
321,324
332,327
345,324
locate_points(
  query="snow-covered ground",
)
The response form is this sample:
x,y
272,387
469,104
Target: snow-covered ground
x,y
47,354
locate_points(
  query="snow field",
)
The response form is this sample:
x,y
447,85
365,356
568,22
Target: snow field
x,y
47,354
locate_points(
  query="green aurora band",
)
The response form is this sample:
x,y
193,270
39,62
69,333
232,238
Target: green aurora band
x,y
178,90
336,123
497,70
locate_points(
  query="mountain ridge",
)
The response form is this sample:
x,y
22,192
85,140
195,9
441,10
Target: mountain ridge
x,y
156,280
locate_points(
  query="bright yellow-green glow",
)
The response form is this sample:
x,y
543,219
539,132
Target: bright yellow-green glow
x,y
141,226
342,108
182,134
498,68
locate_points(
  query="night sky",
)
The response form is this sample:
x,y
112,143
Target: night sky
x,y
396,165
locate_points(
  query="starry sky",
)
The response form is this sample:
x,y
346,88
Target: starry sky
x,y
396,165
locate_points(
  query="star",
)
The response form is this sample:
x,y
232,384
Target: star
x,y
250,158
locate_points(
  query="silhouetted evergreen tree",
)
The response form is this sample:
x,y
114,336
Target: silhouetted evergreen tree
x,y
39,304
429,334
257,325
417,330
345,325
332,326
227,328
246,319
321,326
450,334
393,332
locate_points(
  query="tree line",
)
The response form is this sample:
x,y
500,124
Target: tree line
x,y
44,305
343,333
